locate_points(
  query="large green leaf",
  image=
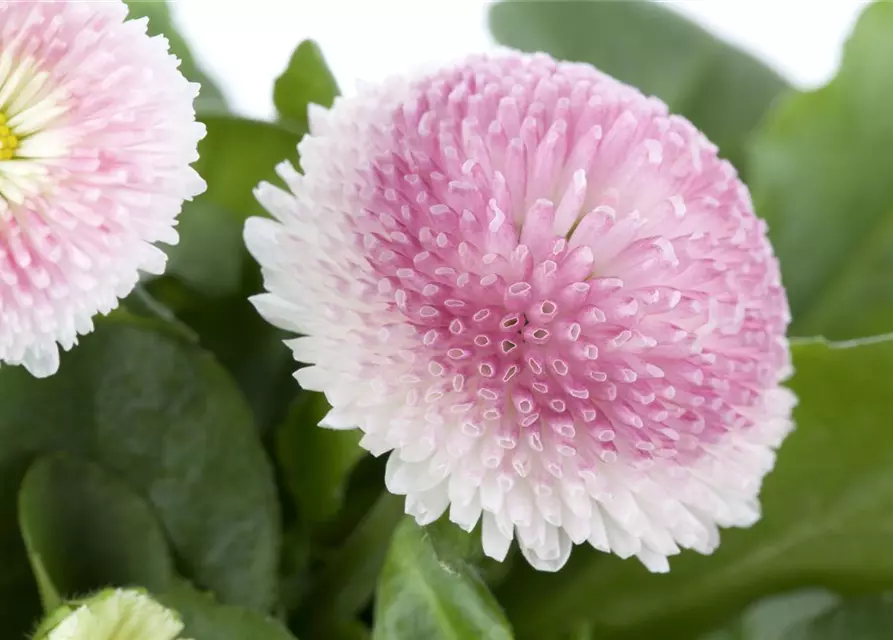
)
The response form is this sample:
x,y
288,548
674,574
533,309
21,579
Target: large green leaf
x,y
822,168
315,461
426,593
162,415
307,80
718,87
210,99
826,521
242,341
207,619
86,530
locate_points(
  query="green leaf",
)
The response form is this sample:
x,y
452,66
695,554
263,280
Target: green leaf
x,y
50,598
307,80
776,617
210,99
242,341
295,575
351,630
821,178
85,530
454,542
346,582
158,412
364,487
236,155
210,256
206,619
865,618
424,593
722,90
316,466
315,461
826,520
141,304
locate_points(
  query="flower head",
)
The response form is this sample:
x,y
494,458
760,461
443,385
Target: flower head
x,y
97,131
110,615
545,296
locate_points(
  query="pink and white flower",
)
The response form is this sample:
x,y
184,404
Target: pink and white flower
x,y
97,131
546,297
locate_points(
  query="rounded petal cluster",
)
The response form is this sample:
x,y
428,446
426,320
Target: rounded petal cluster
x,y
111,615
548,298
97,131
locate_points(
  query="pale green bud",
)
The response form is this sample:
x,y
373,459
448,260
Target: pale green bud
x,y
114,614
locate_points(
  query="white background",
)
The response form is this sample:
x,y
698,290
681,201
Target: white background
x,y
245,44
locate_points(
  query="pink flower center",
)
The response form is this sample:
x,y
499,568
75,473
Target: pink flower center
x,y
579,269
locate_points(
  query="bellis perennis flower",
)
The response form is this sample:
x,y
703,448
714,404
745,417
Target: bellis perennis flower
x,y
112,615
545,296
97,131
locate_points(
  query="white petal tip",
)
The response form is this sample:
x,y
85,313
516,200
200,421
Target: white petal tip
x,y
42,361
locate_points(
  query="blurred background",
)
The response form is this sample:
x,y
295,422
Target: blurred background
x,y
246,50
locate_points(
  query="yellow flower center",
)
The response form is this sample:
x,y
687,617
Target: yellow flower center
x,y
9,142
31,107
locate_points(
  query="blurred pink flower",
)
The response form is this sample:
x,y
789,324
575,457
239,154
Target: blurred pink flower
x,y
97,131
545,296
